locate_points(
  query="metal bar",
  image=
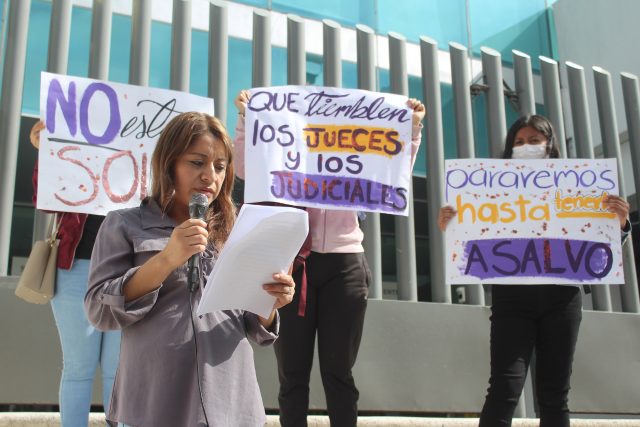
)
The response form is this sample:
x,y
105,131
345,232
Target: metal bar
x,y
140,43
435,166
296,55
59,32
100,40
465,140
553,101
261,54
10,106
601,294
496,119
332,53
366,38
524,83
57,57
218,57
631,96
180,45
366,58
404,226
611,149
580,111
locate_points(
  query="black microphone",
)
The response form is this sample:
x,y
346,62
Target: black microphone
x,y
197,207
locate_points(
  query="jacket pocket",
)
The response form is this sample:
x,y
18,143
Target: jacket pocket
x,y
145,244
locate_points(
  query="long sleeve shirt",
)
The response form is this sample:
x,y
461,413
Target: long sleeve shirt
x,y
157,379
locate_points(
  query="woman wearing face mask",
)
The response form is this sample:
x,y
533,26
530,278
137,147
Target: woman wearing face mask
x,y
527,317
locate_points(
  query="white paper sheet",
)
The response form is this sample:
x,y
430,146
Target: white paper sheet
x,y
264,240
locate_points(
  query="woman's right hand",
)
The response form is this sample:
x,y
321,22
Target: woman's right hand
x,y
241,101
34,135
444,216
187,239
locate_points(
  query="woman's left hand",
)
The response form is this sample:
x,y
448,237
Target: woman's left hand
x,y
618,205
283,289
34,135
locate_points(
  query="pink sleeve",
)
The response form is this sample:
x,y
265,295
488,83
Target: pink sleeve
x,y
416,138
238,148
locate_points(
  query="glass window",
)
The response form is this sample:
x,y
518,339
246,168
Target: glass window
x,y
239,77
36,61
160,55
79,41
199,67
443,21
481,132
120,48
508,25
347,13
258,3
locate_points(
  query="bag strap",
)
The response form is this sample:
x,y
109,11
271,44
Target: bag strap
x,y
301,261
54,227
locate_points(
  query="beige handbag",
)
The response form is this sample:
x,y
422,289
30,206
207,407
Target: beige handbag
x,y
38,279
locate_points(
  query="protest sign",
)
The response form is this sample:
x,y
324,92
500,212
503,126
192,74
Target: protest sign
x,y
532,222
96,148
328,148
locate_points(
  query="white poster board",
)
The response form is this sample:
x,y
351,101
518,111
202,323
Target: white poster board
x,y
328,148
532,222
95,151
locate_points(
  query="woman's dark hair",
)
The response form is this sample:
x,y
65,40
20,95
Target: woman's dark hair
x,y
539,123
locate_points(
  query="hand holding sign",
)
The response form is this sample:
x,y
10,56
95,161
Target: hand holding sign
x,y
34,135
418,111
619,206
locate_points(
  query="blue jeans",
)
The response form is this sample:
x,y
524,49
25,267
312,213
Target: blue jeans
x,y
83,347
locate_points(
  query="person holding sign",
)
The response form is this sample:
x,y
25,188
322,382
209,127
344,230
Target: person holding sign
x,y
176,368
331,302
527,317
83,346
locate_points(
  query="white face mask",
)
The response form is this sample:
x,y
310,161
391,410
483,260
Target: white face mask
x,y
529,151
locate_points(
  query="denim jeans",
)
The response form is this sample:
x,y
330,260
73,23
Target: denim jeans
x,y
83,347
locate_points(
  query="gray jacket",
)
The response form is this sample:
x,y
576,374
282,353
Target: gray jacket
x,y
157,379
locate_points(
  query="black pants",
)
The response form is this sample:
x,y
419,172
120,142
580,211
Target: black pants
x,y
337,292
524,317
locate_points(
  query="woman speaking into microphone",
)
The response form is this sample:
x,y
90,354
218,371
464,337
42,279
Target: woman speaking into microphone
x,y
176,368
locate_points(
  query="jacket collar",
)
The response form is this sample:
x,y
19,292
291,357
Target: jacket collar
x,y
153,217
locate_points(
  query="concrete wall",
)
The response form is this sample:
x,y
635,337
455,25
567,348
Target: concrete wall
x,y
415,357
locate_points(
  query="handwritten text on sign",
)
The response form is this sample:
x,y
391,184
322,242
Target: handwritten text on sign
x,y
328,147
96,149
532,221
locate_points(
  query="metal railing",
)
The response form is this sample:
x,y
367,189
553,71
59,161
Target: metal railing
x,y
492,73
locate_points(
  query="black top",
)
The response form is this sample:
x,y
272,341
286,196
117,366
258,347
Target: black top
x,y
91,227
